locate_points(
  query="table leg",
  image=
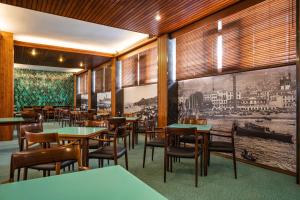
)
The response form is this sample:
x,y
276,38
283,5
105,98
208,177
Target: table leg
x,y
136,133
85,151
133,135
205,153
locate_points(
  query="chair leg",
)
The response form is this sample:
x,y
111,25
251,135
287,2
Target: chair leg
x,y
171,163
196,171
165,168
144,156
25,173
234,165
152,153
208,158
44,173
116,160
49,172
99,163
19,172
201,164
126,160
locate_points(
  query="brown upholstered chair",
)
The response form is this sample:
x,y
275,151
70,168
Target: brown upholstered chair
x,y
154,137
173,149
223,146
114,151
44,141
58,155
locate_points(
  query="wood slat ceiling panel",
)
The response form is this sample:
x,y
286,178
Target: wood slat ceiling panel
x,y
134,15
45,57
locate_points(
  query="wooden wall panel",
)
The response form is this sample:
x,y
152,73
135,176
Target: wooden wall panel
x,y
162,85
113,87
7,81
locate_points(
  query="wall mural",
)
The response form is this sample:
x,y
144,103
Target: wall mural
x,y
141,101
84,102
263,104
39,88
104,102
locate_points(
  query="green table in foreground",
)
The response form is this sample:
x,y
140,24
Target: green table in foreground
x,y
82,133
203,130
113,183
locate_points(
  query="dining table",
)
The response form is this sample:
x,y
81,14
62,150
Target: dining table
x,y
113,183
13,121
203,130
78,133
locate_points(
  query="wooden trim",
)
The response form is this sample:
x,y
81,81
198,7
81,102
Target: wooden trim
x,y
113,87
276,169
162,81
139,50
298,89
241,5
75,91
103,64
81,72
65,49
89,88
135,47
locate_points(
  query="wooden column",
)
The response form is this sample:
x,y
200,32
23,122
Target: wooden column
x,y
298,88
162,84
89,88
75,90
7,82
113,87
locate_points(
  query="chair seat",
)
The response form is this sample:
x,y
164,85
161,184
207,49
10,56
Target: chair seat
x,y
51,166
219,146
190,139
107,152
156,142
185,152
93,144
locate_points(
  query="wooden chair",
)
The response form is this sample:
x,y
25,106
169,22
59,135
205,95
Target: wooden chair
x,y
44,141
30,116
93,144
223,146
173,149
58,155
190,139
111,152
34,128
153,138
114,123
65,118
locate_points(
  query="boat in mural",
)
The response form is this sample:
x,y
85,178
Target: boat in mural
x,y
248,155
253,130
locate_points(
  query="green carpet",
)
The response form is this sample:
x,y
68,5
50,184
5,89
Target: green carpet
x,y
252,182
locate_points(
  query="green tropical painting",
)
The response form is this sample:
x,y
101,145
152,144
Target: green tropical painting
x,y
40,88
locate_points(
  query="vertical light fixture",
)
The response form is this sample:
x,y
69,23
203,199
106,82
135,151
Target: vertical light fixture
x,y
138,70
219,47
94,81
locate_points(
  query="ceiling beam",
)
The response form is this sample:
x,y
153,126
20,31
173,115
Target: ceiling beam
x,y
64,49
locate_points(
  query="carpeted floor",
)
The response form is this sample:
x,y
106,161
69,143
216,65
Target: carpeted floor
x,y
252,183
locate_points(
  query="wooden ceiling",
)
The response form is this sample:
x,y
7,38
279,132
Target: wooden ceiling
x,y
46,57
134,15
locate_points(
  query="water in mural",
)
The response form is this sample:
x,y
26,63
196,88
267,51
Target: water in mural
x,y
261,102
141,101
39,88
104,102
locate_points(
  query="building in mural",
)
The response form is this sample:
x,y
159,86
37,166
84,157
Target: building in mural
x,y
141,101
104,102
84,102
32,88
262,103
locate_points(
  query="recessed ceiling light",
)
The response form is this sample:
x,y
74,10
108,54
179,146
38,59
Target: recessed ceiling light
x,y
157,17
61,59
33,52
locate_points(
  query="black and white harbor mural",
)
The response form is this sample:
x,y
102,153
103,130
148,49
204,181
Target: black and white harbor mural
x,y
84,102
104,102
141,101
261,102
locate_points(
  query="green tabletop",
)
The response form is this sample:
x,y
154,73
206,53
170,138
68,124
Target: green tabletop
x,y
128,118
206,127
79,131
11,120
113,183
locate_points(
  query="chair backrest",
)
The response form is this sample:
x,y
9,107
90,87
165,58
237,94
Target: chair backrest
x,y
172,135
44,156
33,127
29,115
95,123
46,139
113,123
